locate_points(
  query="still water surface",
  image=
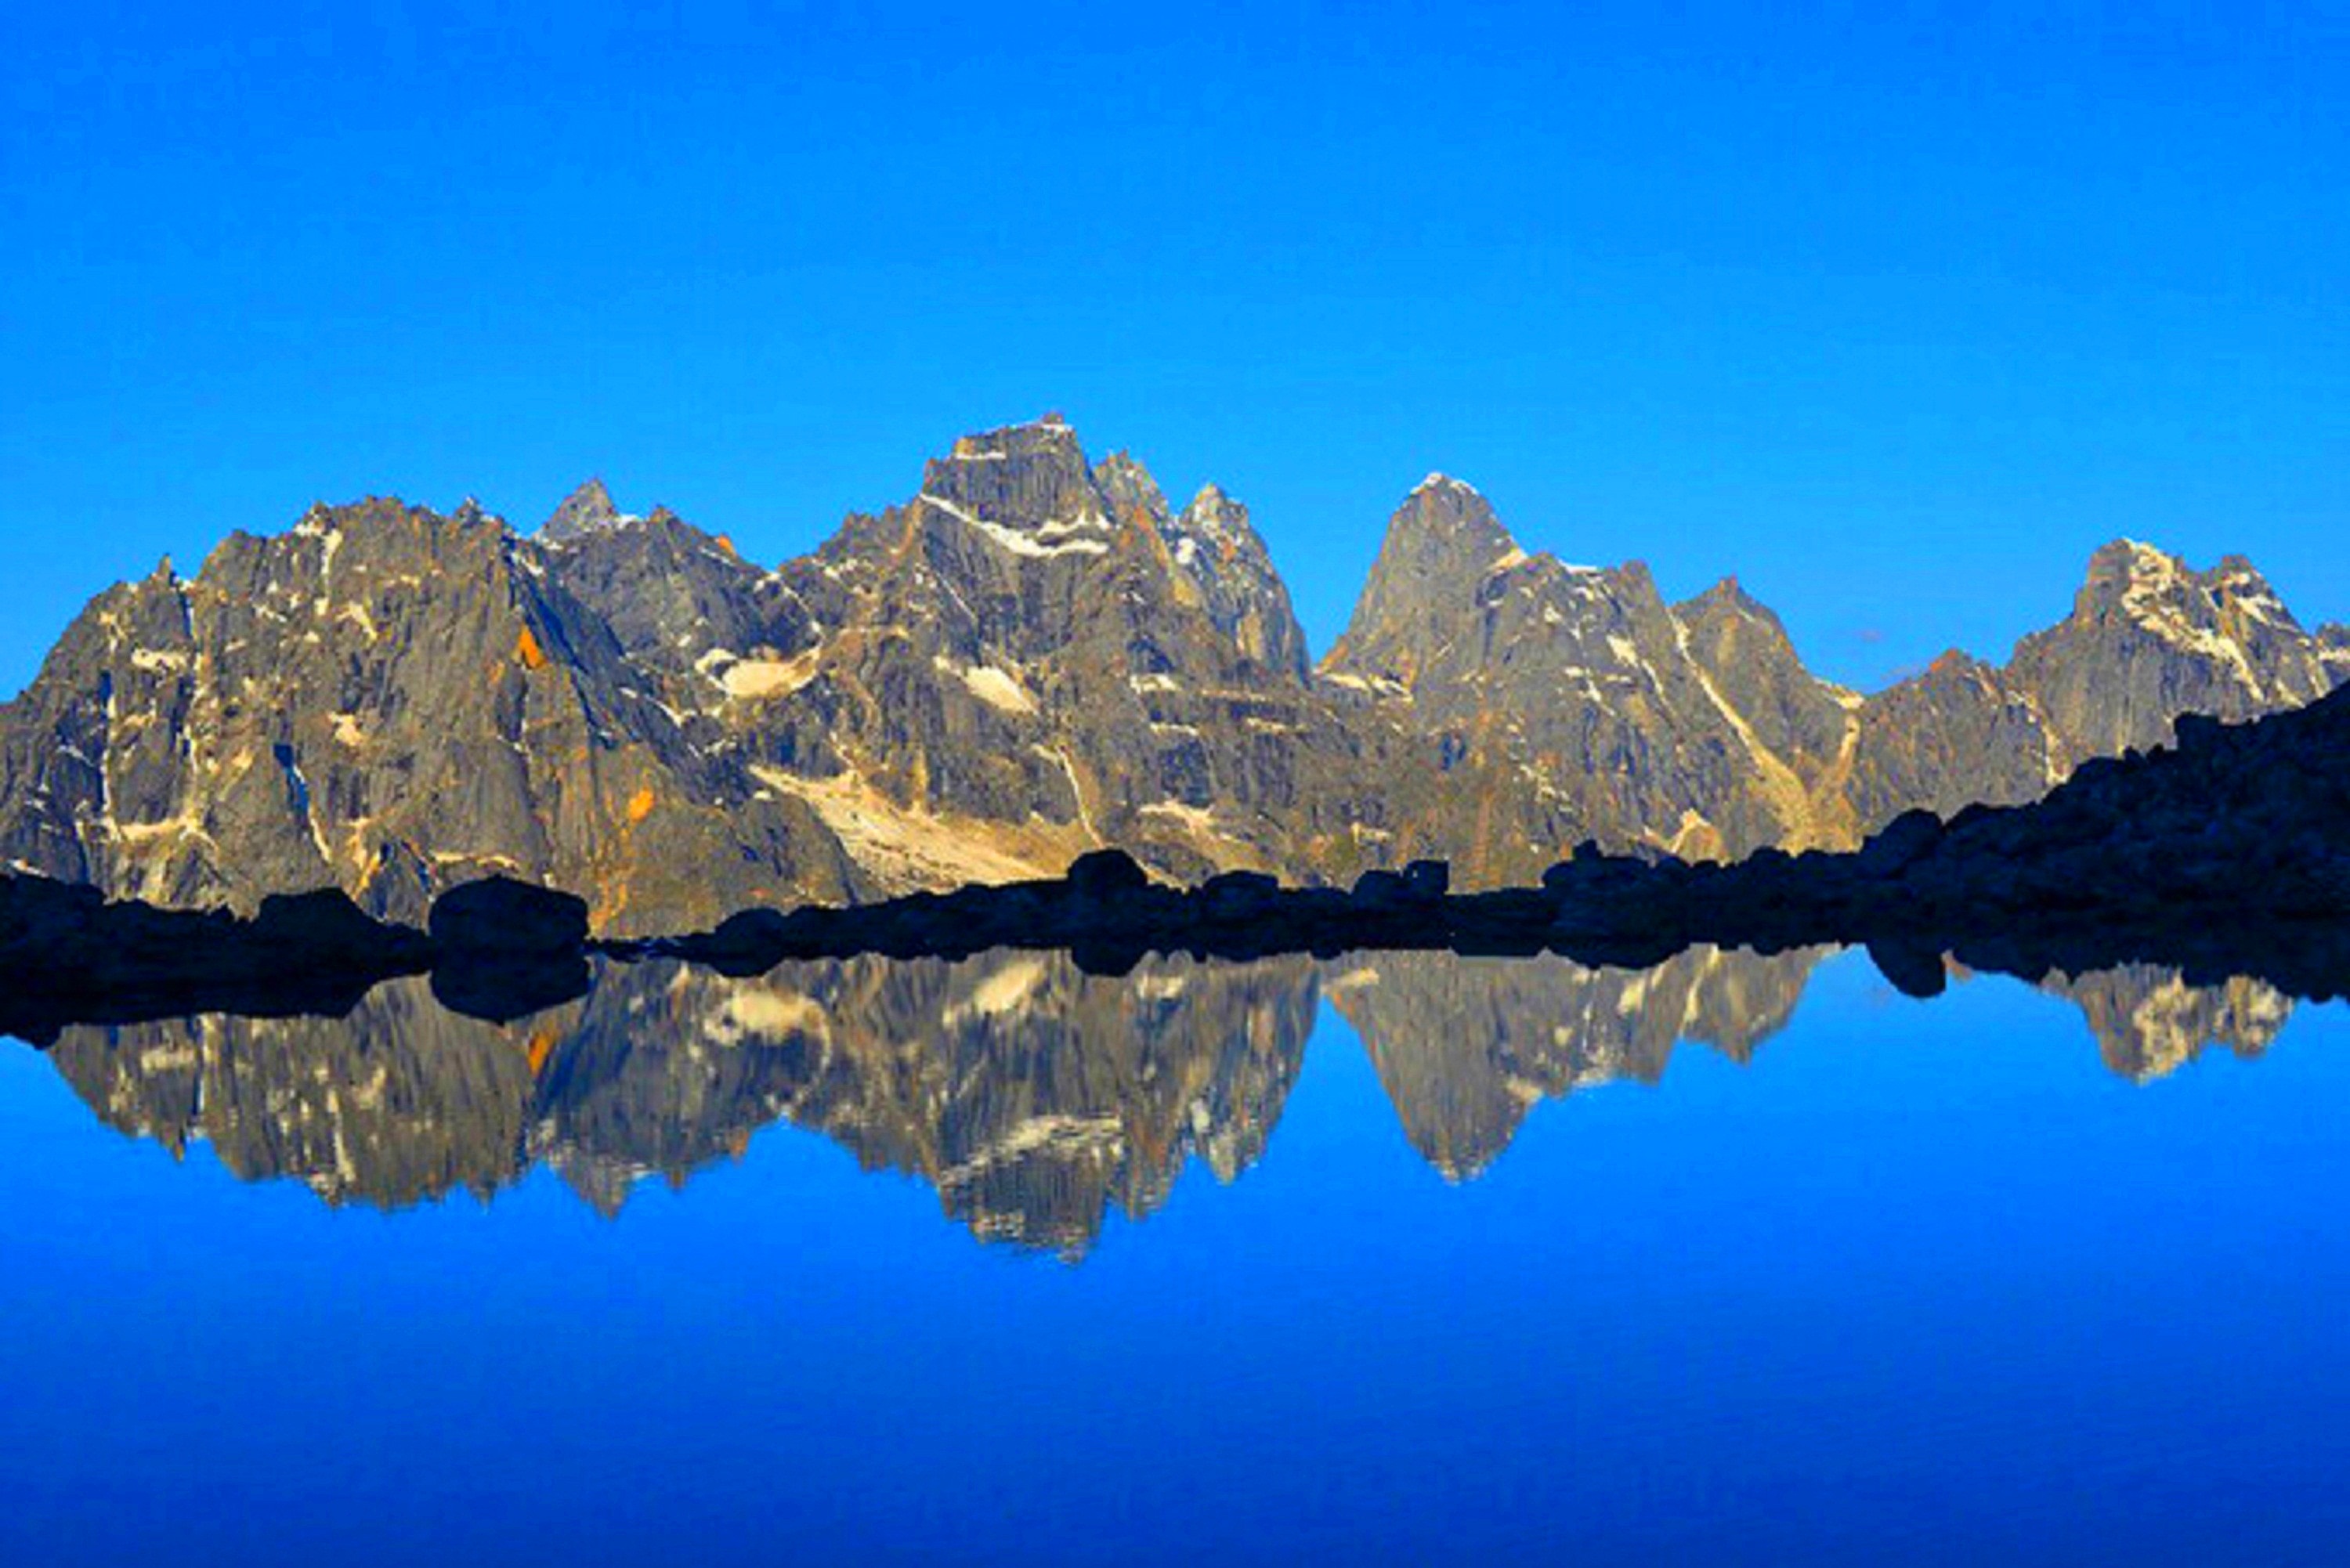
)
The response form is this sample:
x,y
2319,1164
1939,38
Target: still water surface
x,y
1403,1258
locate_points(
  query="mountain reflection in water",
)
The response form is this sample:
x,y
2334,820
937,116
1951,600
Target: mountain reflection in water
x,y
1031,1094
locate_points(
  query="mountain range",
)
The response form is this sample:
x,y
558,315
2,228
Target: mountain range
x,y
1035,655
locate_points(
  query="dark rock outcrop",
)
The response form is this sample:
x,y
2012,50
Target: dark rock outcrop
x,y
498,917
68,955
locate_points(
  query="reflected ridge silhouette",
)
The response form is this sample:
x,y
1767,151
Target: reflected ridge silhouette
x,y
1035,1098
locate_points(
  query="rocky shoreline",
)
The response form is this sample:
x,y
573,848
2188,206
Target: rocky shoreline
x,y
2226,854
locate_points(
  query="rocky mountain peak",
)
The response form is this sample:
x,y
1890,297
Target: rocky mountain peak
x,y
1129,489
1214,513
1214,544
1440,544
1446,519
1728,597
1751,661
2156,589
1032,657
2125,560
2149,636
585,511
2198,612
1741,627
1019,481
1212,502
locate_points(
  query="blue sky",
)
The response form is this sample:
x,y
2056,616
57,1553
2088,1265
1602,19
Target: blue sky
x,y
1896,312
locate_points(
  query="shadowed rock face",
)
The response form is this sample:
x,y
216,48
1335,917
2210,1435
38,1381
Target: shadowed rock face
x,y
2333,650
1579,689
1695,727
588,510
1032,656
1752,664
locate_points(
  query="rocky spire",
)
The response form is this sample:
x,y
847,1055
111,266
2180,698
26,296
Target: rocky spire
x,y
1440,544
1216,546
1019,477
1129,487
584,510
2150,637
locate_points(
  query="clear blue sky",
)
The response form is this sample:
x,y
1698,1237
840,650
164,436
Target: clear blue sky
x,y
1895,312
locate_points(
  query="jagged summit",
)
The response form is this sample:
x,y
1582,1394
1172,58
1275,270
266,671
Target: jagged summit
x,y
584,510
1129,489
2150,637
470,512
2136,576
1730,593
1028,487
1444,539
1214,543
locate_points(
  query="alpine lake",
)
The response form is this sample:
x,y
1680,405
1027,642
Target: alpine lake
x,y
1404,1257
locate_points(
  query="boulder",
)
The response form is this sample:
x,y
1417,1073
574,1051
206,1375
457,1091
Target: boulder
x,y
498,915
324,919
1427,879
2196,731
1898,844
1232,894
1106,874
1914,968
500,989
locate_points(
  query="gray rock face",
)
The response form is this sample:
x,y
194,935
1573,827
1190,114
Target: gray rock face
x,y
586,510
1956,734
1752,662
389,702
2333,647
1215,547
1032,657
1695,727
1580,688
2149,639
678,600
